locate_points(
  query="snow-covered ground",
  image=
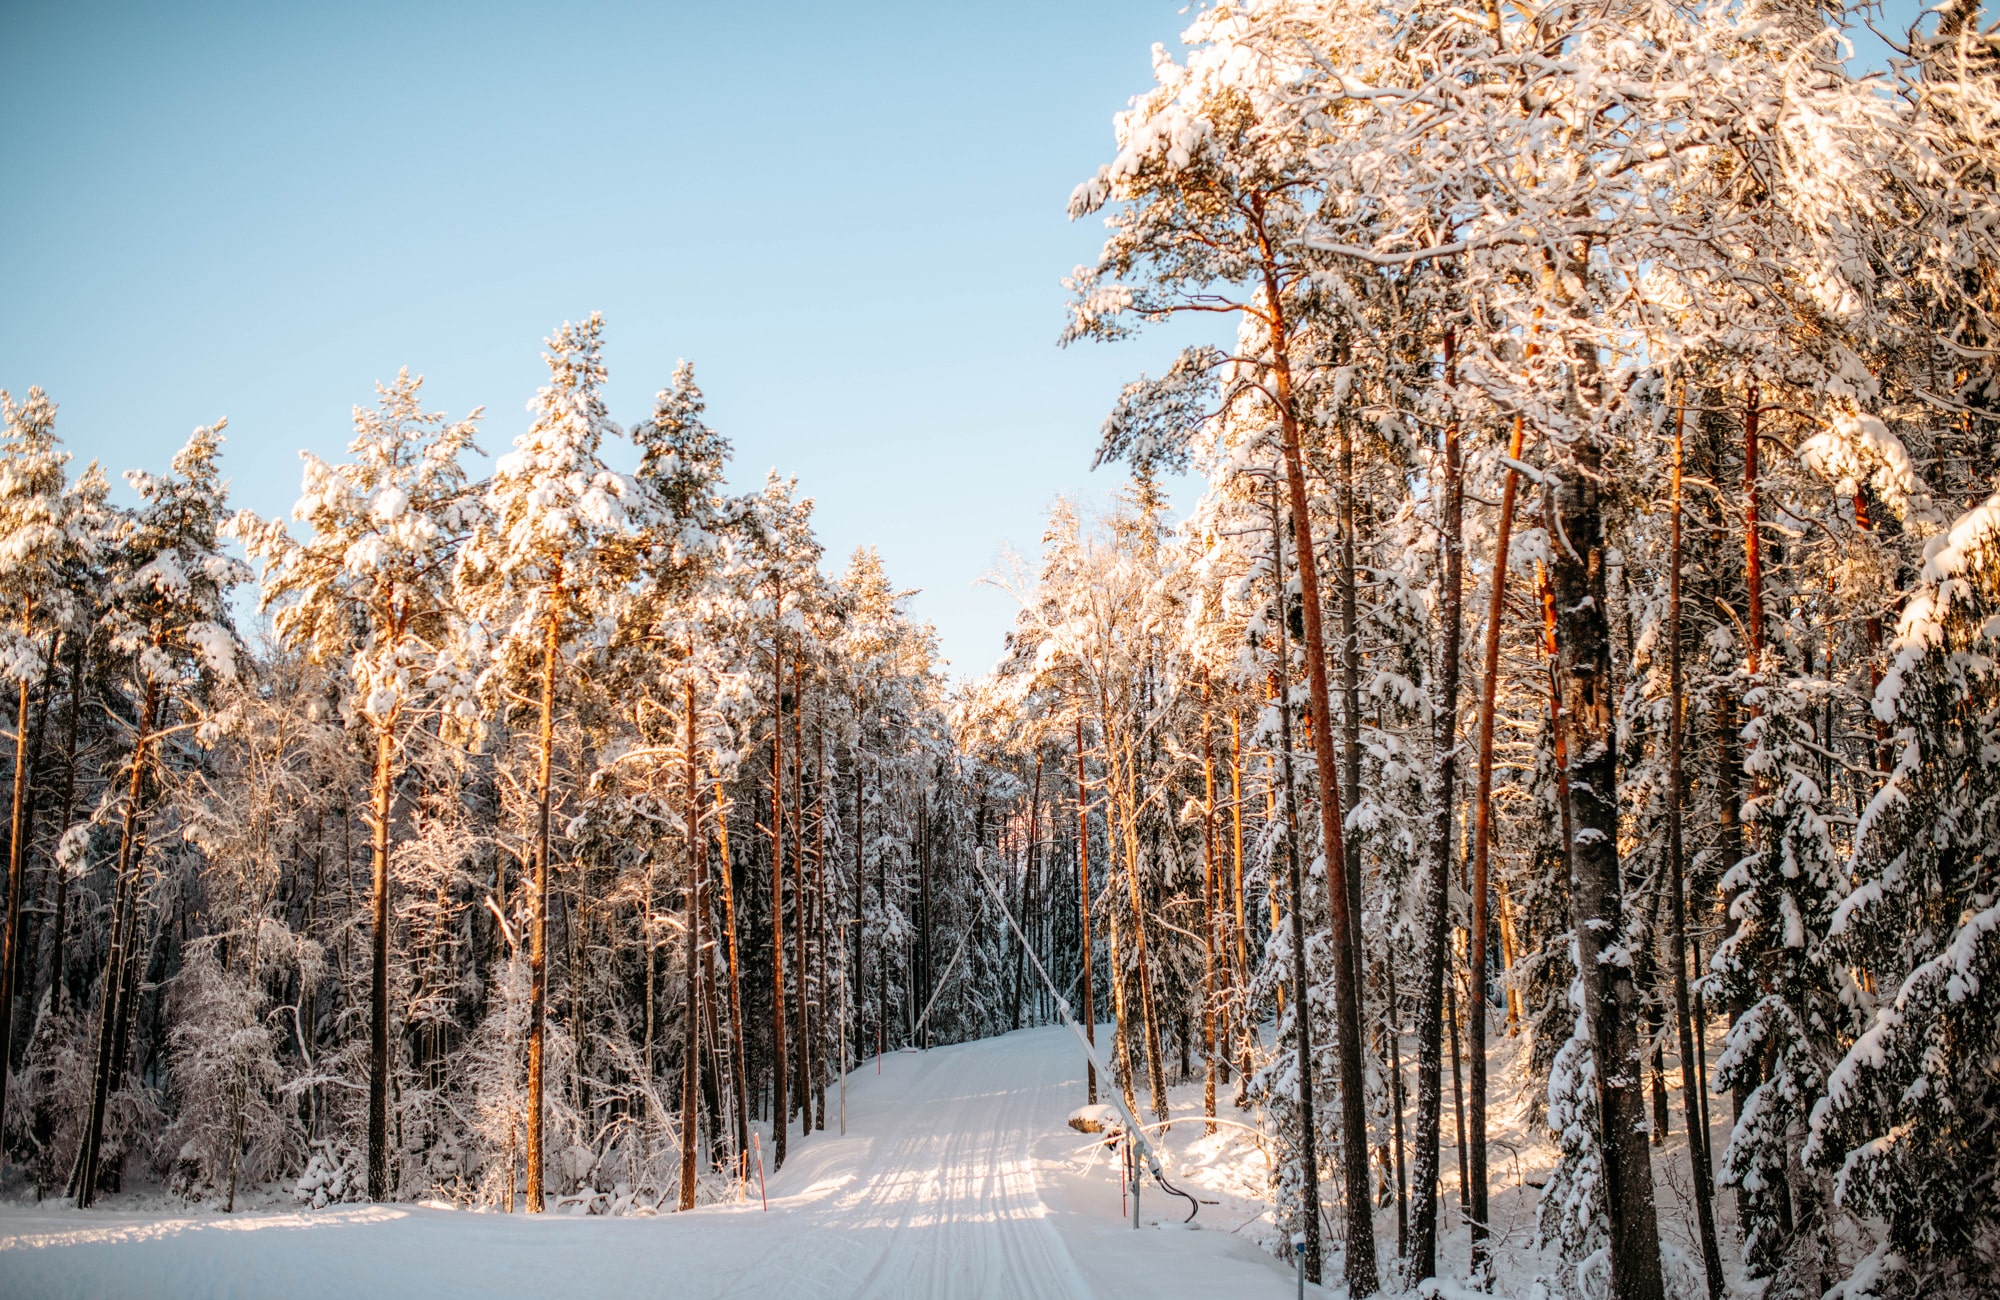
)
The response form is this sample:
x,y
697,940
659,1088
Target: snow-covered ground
x,y
958,1178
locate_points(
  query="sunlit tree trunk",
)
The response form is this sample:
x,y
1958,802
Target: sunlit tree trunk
x,y
1437,888
1209,910
1308,1213
17,855
1083,899
1482,848
1361,1276
691,945
1610,1000
1694,1080
59,926
781,1115
737,1054
538,939
111,996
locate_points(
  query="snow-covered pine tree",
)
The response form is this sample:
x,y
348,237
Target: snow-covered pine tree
x,y
539,569
370,590
41,543
167,626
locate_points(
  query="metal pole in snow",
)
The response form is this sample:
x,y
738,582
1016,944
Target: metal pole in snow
x,y
1134,1133
845,1045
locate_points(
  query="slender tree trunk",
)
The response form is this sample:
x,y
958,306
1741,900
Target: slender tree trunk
x,y
1397,1100
1245,1015
1872,626
1209,917
84,1180
17,855
738,1064
1348,581
538,941
926,970
1362,1279
1083,898
691,942
1295,878
1694,1081
1156,1074
26,952
1121,1035
381,796
801,905
1482,848
1457,1087
59,934
817,1056
1027,882
1753,541
860,909
1437,890
781,1115
1610,1001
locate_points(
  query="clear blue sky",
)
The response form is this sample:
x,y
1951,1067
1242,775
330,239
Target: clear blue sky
x,y
849,217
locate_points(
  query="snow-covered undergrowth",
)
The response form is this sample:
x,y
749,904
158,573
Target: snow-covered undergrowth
x,y
958,1176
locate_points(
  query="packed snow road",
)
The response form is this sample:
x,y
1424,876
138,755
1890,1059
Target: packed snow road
x,y
957,1179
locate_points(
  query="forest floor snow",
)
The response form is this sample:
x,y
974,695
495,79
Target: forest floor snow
x,y
958,1178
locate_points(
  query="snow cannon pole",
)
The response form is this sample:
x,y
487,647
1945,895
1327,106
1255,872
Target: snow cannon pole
x,y
1135,1133
937,993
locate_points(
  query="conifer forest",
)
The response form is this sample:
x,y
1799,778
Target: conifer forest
x,y
1507,783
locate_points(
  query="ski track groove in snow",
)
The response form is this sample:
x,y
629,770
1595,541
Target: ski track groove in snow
x,y
934,1193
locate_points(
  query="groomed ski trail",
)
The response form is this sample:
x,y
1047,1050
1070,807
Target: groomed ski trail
x,y
934,1193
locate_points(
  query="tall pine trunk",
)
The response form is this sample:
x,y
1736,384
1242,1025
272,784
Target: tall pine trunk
x,y
59,925
1083,898
1245,1016
781,1115
819,944
111,997
1482,849
1436,899
1694,1080
737,1055
1209,917
691,942
799,903
538,941
1610,1000
17,855
1362,1279
381,794
1295,879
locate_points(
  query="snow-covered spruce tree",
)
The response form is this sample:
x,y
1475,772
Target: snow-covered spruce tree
x,y
370,589
670,658
43,540
244,807
1212,194
535,574
167,626
1906,1123
1779,965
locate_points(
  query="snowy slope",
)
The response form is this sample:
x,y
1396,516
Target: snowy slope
x,y
957,1179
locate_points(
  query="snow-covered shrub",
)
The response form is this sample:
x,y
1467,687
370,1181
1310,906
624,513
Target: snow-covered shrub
x,y
222,1076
